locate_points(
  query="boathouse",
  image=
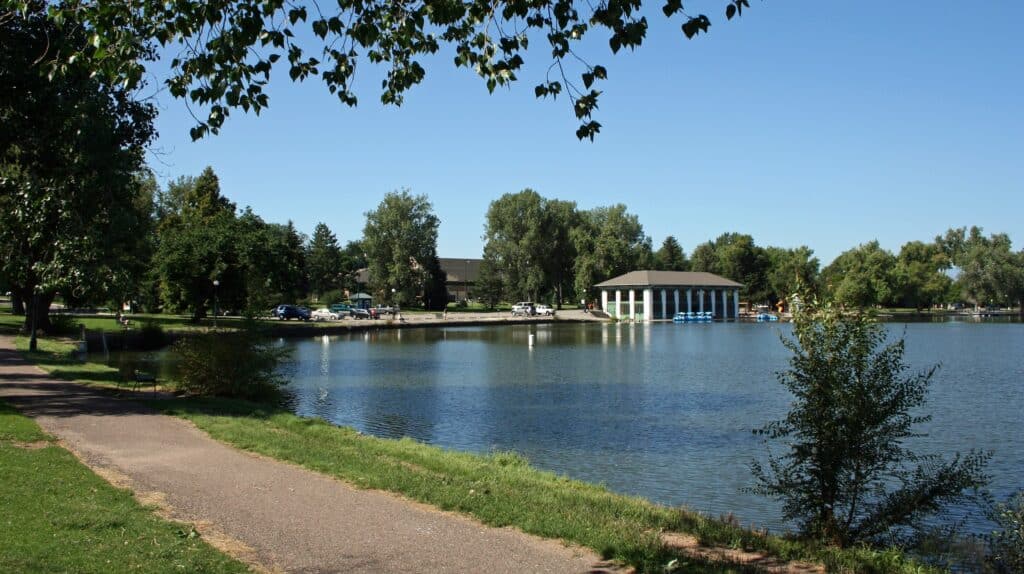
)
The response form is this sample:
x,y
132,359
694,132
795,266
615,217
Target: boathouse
x,y
652,295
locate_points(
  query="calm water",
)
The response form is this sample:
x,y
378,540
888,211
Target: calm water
x,y
663,411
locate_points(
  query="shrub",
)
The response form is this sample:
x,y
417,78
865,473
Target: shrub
x,y
64,326
846,476
1006,545
332,297
238,364
151,336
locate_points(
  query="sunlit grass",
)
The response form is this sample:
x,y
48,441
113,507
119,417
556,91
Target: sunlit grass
x,y
58,516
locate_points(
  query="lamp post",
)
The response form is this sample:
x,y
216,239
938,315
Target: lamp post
x,y
32,344
392,295
216,284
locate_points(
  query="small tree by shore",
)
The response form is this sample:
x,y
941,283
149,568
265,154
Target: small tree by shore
x,y
846,475
238,364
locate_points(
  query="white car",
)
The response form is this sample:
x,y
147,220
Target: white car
x,y
544,310
324,314
524,308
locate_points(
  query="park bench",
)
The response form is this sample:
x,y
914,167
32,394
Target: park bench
x,y
141,378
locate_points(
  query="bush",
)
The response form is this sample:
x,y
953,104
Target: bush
x,y
64,326
845,476
1006,545
238,364
151,336
332,297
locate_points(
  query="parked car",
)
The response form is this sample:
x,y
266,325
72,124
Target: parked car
x,y
524,308
358,313
544,310
285,312
324,314
341,309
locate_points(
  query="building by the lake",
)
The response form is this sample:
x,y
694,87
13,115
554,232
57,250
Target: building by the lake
x,y
653,295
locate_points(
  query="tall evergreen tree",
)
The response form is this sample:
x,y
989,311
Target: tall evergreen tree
x,y
324,261
671,257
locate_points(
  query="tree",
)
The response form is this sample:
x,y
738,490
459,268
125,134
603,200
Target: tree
x,y
560,218
400,238
990,272
735,256
435,285
489,287
227,50
515,243
862,276
846,475
198,244
529,242
70,150
324,260
920,274
671,257
609,241
790,271
353,259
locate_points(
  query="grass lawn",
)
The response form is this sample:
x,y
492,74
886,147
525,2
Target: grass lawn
x,y
60,517
500,489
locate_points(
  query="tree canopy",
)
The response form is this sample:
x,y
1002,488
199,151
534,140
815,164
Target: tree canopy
x,y
400,239
226,51
70,152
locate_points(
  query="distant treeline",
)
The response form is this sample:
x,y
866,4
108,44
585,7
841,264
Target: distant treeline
x,y
547,249
189,244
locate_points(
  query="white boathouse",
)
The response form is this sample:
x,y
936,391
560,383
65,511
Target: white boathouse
x,y
653,295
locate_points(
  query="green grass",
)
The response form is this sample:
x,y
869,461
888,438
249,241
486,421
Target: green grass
x,y
500,489
60,517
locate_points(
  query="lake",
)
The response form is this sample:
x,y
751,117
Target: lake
x,y
662,411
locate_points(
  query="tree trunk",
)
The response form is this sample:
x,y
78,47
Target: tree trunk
x,y
42,313
17,304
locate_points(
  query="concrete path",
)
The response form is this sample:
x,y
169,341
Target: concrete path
x,y
273,515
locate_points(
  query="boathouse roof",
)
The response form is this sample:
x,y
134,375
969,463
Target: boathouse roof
x,y
668,279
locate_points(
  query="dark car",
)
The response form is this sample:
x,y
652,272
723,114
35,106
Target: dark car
x,y
285,312
358,313
341,308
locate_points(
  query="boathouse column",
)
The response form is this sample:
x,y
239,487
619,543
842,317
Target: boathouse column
x,y
725,304
689,301
618,303
648,304
676,308
632,304
604,300
736,303
664,303
713,295
700,303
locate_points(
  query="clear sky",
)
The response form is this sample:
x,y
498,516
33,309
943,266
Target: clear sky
x,y
826,124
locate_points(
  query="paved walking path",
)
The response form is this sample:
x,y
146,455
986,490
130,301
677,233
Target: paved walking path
x,y
271,514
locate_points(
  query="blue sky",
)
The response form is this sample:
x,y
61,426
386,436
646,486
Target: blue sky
x,y
825,124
